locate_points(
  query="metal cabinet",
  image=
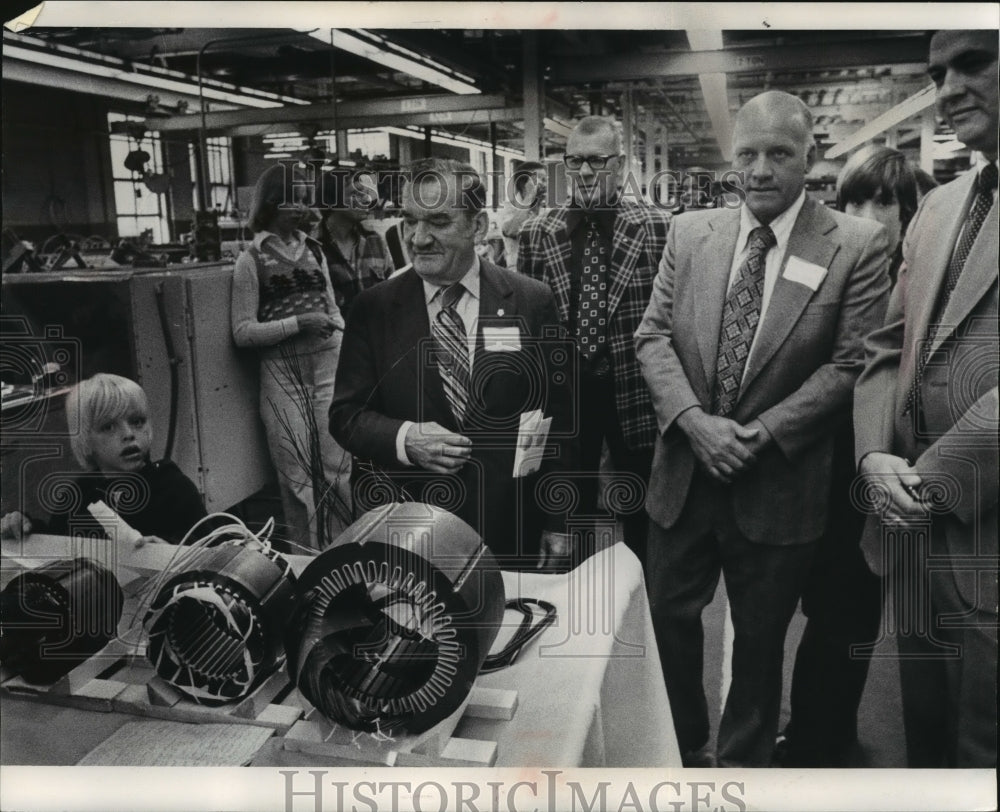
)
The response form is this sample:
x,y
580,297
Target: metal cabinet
x,y
203,394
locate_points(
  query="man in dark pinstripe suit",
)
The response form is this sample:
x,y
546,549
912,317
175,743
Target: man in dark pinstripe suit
x,y
599,253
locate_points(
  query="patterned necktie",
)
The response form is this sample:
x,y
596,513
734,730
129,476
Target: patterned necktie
x,y
977,216
448,330
740,316
592,318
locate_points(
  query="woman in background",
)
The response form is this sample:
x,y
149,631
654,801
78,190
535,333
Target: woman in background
x,y
878,183
283,305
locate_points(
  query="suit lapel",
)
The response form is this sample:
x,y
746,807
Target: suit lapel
x,y
978,275
557,252
923,289
809,240
496,309
711,263
410,332
625,245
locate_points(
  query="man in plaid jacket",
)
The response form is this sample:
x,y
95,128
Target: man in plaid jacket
x,y
599,253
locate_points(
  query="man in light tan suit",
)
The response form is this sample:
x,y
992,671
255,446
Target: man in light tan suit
x,y
750,346
926,431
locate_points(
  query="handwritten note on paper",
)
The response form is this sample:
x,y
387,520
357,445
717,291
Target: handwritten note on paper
x,y
156,743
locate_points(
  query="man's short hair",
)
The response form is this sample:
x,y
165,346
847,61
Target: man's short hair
x,y
471,189
881,174
525,172
794,105
591,125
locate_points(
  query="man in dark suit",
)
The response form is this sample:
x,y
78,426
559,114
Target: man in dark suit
x,y
926,432
437,368
598,252
750,345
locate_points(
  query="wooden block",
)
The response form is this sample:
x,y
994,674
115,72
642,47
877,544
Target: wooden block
x,y
88,670
98,694
162,693
134,699
18,685
456,753
491,703
254,704
280,717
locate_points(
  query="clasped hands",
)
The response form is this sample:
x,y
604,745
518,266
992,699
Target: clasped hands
x,y
723,447
899,480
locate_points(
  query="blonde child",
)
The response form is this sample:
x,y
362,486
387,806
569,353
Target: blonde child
x,y
110,436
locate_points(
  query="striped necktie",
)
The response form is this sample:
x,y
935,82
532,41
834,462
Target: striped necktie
x,y
740,316
981,206
448,330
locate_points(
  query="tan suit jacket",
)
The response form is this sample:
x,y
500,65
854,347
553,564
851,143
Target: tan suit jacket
x,y
800,375
956,449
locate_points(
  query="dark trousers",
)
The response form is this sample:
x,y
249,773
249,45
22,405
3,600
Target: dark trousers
x,y
598,423
763,583
950,699
842,601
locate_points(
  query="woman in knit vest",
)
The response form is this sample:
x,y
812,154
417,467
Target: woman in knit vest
x,y
283,305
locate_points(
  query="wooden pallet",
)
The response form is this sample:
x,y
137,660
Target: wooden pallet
x,y
123,681
437,747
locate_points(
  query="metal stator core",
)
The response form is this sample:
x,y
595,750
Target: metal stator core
x,y
215,629
56,617
395,620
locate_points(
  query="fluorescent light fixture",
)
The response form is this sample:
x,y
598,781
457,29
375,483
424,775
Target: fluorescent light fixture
x,y
557,127
378,49
714,90
907,108
704,39
75,60
453,140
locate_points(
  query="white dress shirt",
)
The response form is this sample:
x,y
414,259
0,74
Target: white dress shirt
x,y
467,307
781,227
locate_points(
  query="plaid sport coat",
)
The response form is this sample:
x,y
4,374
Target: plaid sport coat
x,y
639,237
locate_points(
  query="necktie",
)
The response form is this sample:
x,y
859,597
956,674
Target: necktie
x,y
977,215
448,330
740,316
592,317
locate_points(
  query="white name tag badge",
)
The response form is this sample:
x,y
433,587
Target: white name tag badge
x,y
501,339
805,273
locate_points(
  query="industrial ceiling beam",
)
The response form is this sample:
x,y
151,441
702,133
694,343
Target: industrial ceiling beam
x,y
400,108
912,106
387,120
806,56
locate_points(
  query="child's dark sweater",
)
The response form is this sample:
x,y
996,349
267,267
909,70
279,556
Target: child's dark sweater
x,y
158,500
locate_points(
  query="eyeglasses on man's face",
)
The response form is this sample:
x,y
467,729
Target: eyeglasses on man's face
x,y
593,161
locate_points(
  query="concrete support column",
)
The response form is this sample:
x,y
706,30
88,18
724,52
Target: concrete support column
x,y
534,97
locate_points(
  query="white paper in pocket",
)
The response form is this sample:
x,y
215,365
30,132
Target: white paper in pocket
x,y
501,339
805,273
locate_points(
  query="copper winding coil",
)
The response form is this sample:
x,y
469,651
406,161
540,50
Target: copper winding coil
x,y
394,621
215,629
57,616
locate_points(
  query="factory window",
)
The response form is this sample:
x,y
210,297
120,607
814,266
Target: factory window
x,y
219,153
140,186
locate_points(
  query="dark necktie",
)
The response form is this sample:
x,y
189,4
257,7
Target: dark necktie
x,y
740,316
977,215
448,330
592,317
